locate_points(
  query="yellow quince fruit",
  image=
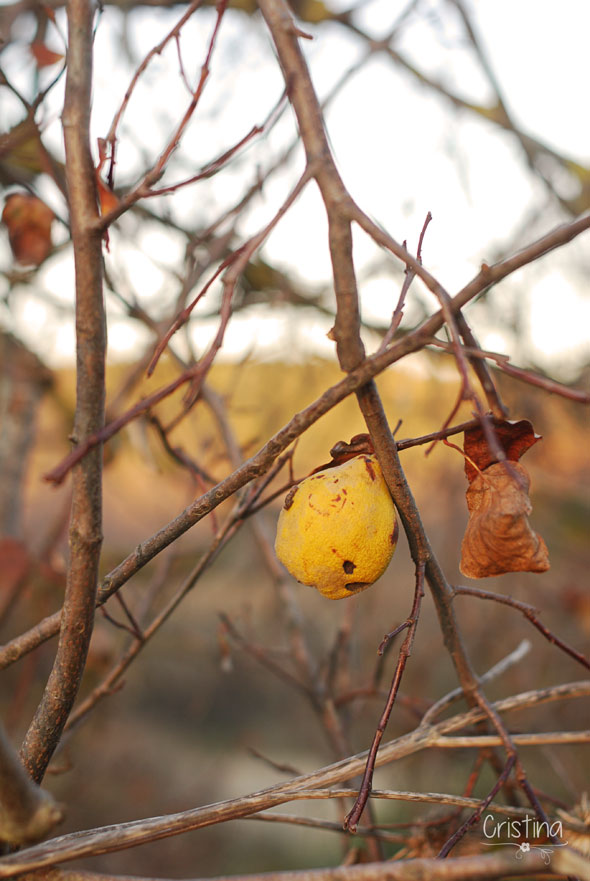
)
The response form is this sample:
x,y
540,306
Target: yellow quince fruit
x,y
337,530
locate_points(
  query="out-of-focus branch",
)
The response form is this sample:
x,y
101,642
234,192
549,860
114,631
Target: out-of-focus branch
x,y
111,138
125,835
85,537
538,154
530,613
468,868
27,813
24,381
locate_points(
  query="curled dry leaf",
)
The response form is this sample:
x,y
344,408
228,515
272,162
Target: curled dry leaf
x,y
28,221
515,438
108,200
43,55
499,538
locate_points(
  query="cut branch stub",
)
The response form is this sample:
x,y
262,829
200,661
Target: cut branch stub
x,y
499,538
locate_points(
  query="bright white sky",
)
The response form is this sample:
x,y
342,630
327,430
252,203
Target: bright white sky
x,y
401,152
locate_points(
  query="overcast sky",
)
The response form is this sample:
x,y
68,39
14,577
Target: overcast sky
x,y
402,151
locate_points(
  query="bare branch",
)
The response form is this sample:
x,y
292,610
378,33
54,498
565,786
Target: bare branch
x,y
530,613
85,524
124,835
27,813
470,868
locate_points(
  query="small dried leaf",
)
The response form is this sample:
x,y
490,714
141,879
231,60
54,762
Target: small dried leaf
x,y
107,199
499,538
28,220
44,57
49,12
515,438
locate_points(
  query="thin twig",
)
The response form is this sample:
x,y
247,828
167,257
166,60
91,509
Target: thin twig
x,y
409,276
353,817
475,816
498,669
530,613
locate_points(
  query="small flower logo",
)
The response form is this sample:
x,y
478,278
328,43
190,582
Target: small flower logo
x,y
525,847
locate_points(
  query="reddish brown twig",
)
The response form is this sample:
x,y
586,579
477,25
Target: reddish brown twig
x,y
351,821
530,613
522,374
58,474
544,382
212,167
132,627
481,369
409,276
111,137
458,835
144,186
185,314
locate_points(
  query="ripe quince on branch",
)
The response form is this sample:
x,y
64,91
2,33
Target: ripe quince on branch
x,y
337,530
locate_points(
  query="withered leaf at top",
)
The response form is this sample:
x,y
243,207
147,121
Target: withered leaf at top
x,y
515,438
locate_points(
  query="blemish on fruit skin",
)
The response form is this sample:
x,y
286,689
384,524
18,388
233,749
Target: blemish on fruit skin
x,y
321,511
356,585
348,567
394,534
370,469
289,498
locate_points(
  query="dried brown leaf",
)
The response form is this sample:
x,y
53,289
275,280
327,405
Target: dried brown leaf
x,y
499,538
515,438
28,221
43,55
107,199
